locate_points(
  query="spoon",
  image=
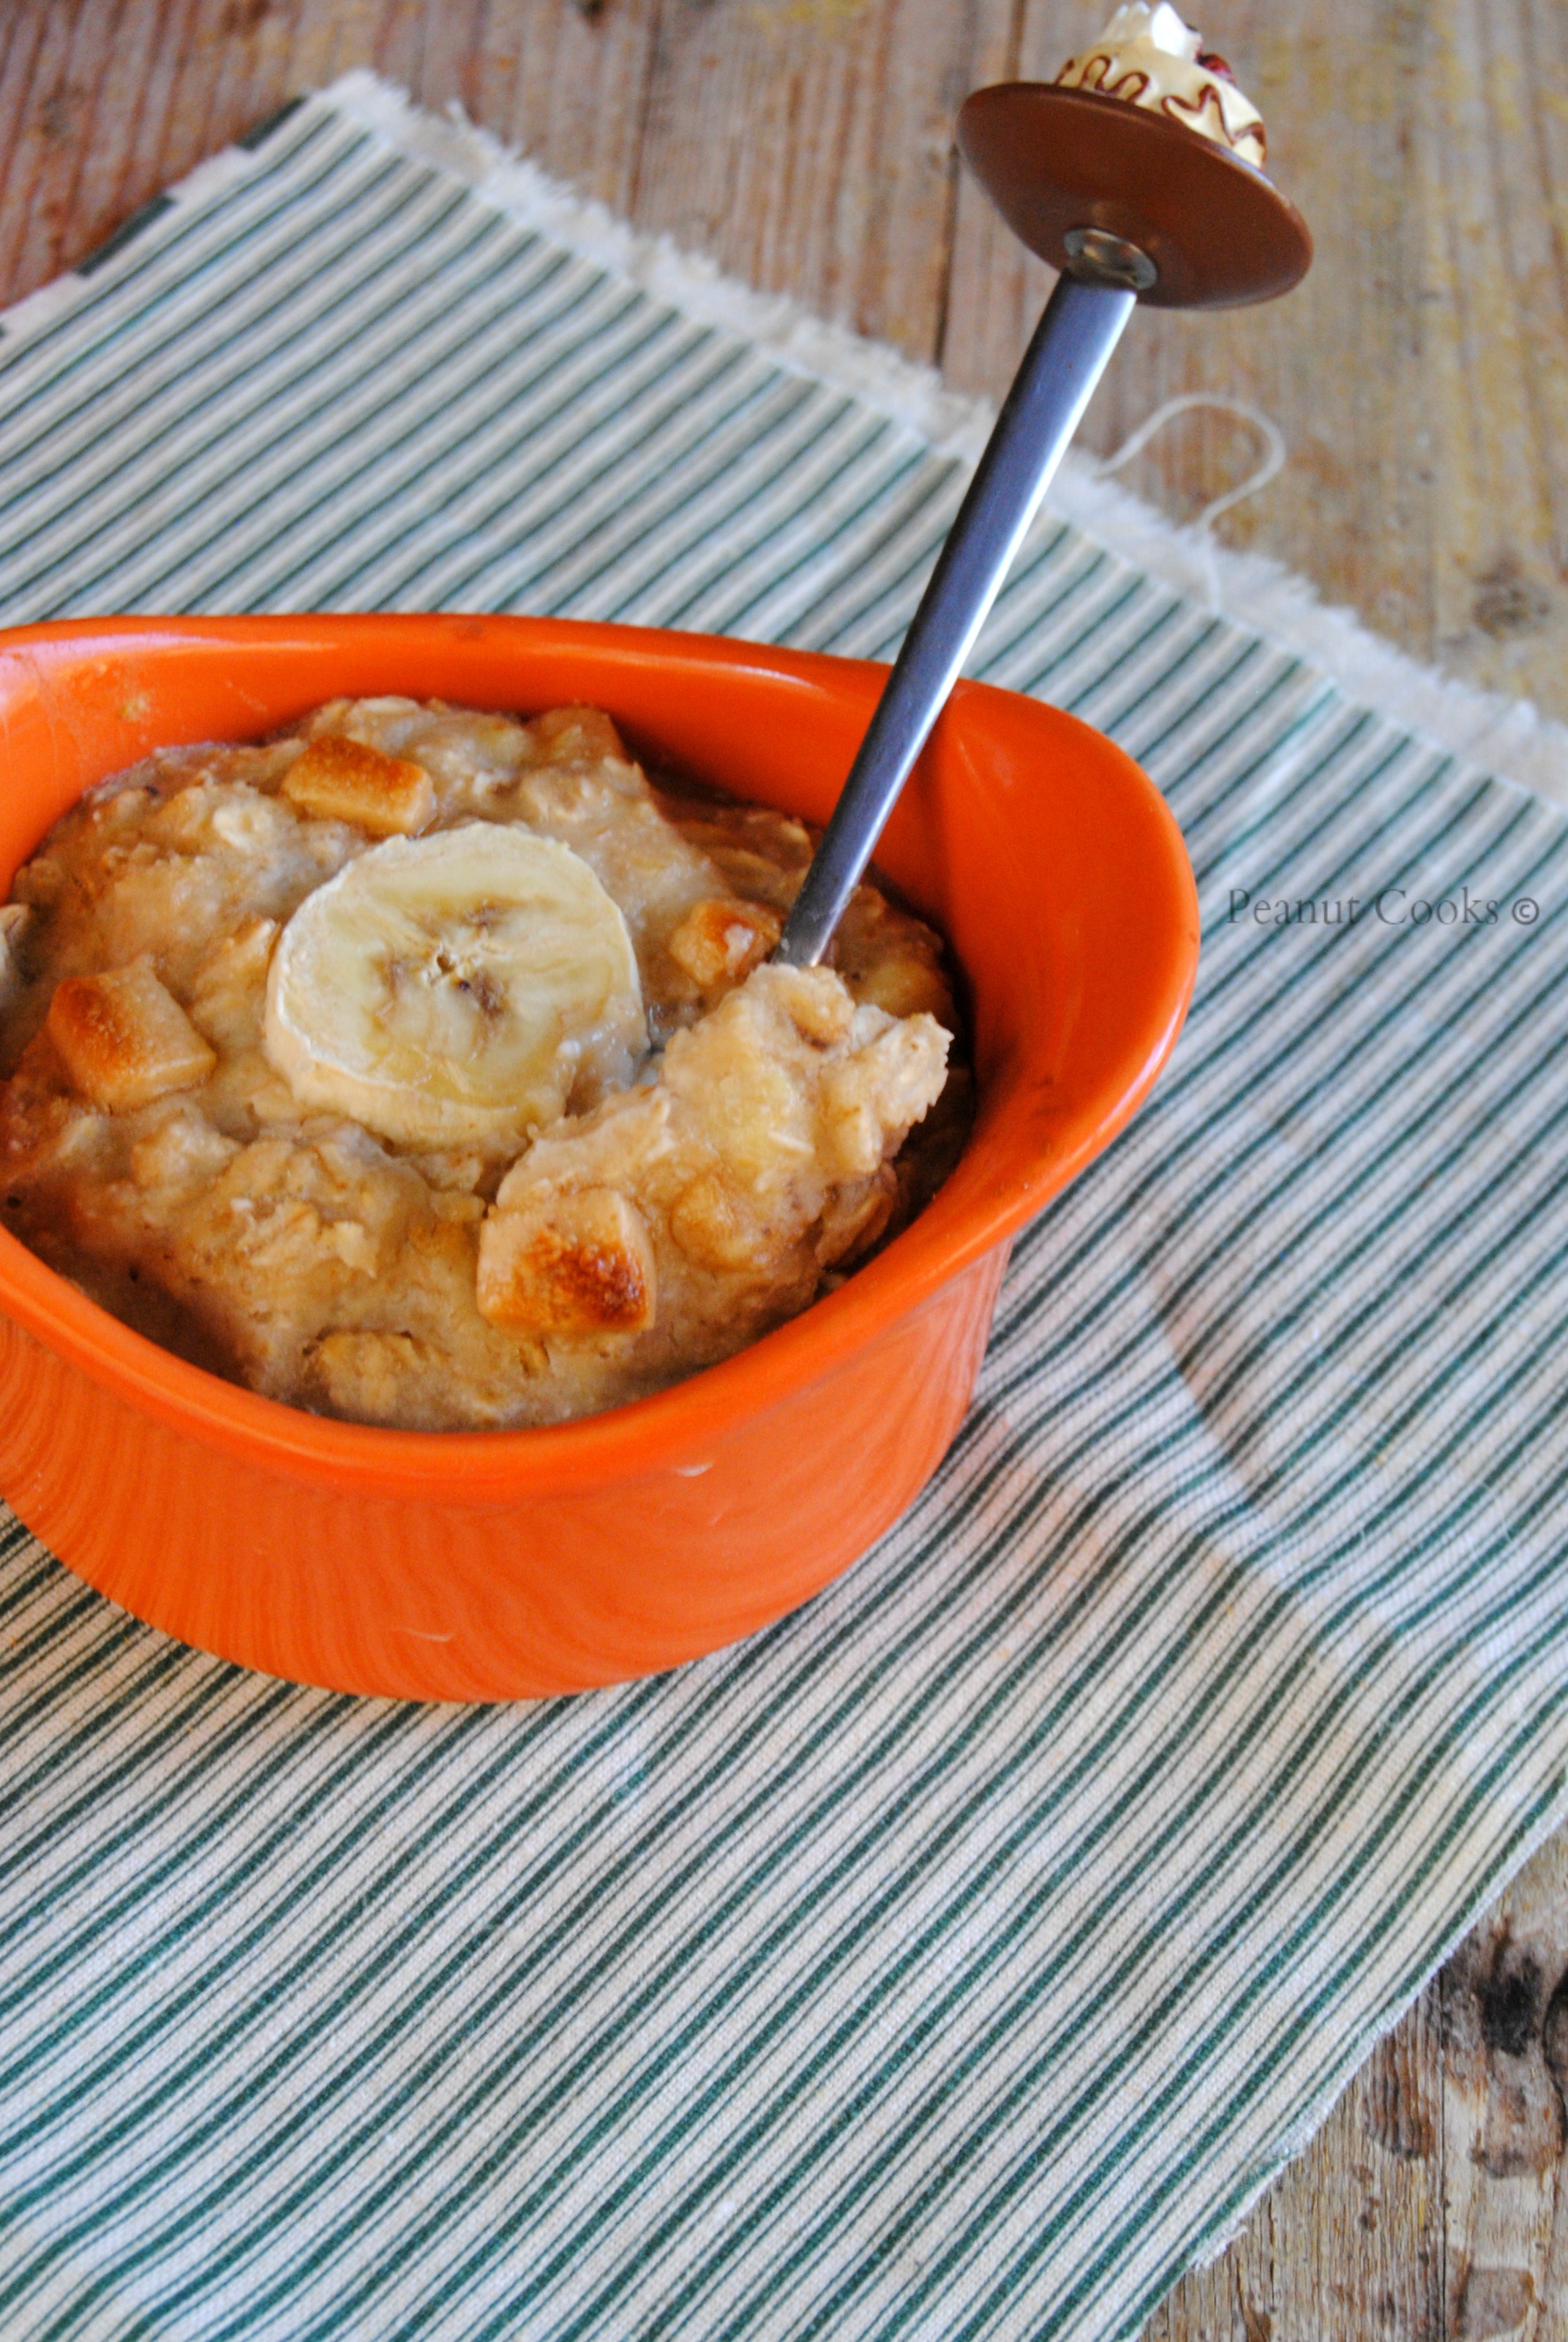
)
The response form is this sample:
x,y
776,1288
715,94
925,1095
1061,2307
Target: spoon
x,y
1131,206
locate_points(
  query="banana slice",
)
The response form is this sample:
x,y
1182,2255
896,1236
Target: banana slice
x,y
454,988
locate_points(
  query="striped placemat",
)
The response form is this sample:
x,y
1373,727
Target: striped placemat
x,y
960,1957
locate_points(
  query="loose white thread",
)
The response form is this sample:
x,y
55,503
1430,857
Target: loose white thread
x,y
1188,403
1201,535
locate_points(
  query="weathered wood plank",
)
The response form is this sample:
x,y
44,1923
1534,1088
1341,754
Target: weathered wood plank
x,y
997,289
1492,190
1505,2002
807,144
102,104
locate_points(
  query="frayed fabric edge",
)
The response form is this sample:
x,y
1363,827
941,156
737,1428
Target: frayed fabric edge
x,y
1507,737
1309,2123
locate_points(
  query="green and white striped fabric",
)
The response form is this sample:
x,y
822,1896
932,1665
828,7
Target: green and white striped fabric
x,y
961,1956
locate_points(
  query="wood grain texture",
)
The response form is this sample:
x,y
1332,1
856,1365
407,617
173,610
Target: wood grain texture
x,y
806,143
1421,378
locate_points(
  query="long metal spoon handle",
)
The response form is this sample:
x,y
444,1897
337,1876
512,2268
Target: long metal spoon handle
x,y
1071,349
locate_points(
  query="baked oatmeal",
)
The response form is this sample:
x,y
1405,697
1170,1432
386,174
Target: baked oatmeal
x,y
426,1068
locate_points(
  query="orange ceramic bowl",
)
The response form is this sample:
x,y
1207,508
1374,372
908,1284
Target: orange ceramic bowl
x,y
492,1566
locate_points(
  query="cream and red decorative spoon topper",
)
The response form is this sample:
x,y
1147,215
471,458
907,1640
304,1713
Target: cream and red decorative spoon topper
x,y
1146,137
1150,57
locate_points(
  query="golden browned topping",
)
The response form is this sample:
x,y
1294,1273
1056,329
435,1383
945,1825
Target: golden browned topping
x,y
339,779
499,1123
124,1040
757,1159
568,1266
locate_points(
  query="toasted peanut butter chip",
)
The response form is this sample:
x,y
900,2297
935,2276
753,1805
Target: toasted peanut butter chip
x,y
125,1039
339,779
718,940
571,1267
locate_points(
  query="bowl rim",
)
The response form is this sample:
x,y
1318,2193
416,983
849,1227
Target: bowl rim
x,y
674,1429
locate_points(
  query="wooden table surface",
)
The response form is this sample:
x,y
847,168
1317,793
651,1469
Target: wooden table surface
x,y
1421,380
